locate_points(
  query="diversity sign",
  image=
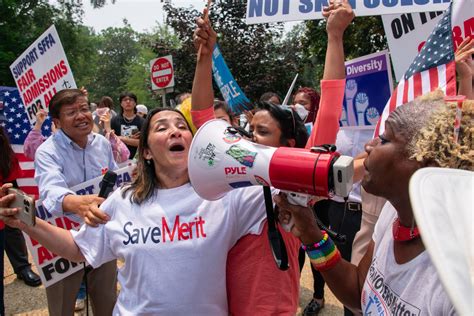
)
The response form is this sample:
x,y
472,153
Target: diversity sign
x,y
41,71
368,88
265,11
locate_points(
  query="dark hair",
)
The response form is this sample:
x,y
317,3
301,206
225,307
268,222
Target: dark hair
x,y
124,95
178,98
315,98
146,182
268,95
290,124
62,98
7,157
106,102
218,104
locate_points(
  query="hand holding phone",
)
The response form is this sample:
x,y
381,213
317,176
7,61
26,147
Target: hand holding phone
x,y
26,206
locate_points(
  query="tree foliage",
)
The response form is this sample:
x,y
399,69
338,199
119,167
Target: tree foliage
x,y
257,57
118,48
22,21
364,36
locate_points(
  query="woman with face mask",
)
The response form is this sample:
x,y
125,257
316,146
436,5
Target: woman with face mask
x,y
396,274
255,284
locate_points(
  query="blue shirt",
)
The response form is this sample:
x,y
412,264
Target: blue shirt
x,y
61,164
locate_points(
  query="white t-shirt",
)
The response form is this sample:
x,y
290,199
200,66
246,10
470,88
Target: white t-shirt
x,y
412,288
174,248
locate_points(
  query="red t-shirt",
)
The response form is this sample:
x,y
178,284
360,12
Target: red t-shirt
x,y
15,173
255,285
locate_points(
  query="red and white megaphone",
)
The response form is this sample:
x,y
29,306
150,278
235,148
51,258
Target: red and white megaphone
x,y
220,160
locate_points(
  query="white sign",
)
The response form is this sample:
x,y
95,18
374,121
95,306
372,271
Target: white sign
x,y
51,267
264,11
41,71
162,73
406,33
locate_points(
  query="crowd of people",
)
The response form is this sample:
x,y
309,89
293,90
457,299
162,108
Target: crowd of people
x,y
183,254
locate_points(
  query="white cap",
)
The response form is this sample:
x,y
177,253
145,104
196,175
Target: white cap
x,y
141,108
442,202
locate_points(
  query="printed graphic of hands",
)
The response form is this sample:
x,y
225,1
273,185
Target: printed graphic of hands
x,y
351,91
372,115
362,102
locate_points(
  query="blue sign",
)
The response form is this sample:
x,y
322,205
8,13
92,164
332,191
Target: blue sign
x,y
230,90
368,88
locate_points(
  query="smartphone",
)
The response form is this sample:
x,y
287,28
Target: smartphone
x,y
135,130
26,205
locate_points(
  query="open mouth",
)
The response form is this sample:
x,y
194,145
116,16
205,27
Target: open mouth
x,y
177,148
82,125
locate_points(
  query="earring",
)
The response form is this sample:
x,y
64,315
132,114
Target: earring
x,y
148,161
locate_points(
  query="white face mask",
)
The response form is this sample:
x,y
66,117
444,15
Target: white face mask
x,y
302,112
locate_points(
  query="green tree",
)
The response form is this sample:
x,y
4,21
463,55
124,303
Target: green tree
x,y
21,22
118,48
160,42
255,54
364,36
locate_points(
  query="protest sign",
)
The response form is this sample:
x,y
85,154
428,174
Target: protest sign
x,y
230,90
368,87
41,71
265,11
52,268
406,33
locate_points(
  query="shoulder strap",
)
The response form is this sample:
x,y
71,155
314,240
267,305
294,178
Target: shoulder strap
x,y
277,244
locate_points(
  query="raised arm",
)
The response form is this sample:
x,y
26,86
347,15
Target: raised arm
x,y
339,15
465,68
202,93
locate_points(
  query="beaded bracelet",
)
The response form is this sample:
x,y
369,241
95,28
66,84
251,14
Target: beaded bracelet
x,y
324,254
317,245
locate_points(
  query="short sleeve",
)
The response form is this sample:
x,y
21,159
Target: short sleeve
x,y
94,242
248,207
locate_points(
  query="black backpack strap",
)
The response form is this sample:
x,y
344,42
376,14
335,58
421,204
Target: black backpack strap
x,y
277,244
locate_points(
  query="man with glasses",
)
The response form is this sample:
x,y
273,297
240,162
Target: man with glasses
x,y
72,156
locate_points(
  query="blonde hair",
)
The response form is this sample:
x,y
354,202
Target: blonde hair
x,y
435,141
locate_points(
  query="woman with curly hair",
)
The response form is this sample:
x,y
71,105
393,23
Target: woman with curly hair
x,y
396,275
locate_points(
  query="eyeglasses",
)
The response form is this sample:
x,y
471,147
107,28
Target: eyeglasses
x,y
72,113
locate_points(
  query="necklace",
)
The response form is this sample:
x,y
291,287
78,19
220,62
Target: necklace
x,y
128,121
402,233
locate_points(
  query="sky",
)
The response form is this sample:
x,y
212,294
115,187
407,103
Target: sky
x,y
141,14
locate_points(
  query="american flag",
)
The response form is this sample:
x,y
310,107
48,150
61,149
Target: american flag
x,y
433,68
14,120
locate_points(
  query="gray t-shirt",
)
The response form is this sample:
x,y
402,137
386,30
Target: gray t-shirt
x,y
412,288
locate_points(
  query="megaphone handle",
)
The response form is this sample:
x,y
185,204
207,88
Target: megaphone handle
x,y
295,199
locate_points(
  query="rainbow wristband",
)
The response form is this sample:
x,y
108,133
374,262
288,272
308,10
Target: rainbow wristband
x,y
324,254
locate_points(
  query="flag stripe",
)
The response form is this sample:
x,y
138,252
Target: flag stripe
x,y
434,83
451,78
417,85
433,68
405,93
